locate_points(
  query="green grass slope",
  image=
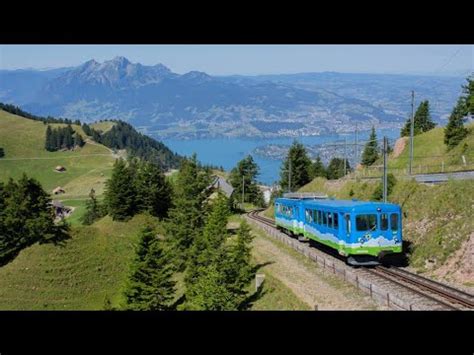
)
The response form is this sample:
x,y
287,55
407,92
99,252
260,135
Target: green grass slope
x,y
91,267
430,152
103,126
23,141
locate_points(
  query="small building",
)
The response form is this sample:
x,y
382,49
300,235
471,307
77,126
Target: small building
x,y
219,183
58,190
60,210
60,168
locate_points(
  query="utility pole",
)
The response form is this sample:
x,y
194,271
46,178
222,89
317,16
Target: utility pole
x,y
356,149
243,191
345,155
412,128
289,173
384,169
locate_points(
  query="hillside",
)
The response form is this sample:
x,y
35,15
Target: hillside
x,y
103,126
89,269
23,141
430,155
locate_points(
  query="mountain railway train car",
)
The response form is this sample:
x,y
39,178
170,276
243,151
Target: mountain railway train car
x,y
364,232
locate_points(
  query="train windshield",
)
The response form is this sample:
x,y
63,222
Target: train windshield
x,y
366,222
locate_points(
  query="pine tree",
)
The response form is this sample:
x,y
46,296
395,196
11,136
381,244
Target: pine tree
x,y
335,169
422,121
300,168
469,91
206,245
243,176
87,129
120,193
238,267
185,219
370,154
151,287
378,192
317,169
209,292
94,210
26,217
68,140
153,190
50,144
455,131
78,141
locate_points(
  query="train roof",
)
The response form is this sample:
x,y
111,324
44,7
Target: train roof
x,y
342,204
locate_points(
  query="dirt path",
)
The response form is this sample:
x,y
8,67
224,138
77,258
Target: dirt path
x,y
309,283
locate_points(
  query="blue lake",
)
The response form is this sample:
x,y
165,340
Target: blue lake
x,y
226,152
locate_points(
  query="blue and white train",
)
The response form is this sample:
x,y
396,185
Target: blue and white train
x,y
362,231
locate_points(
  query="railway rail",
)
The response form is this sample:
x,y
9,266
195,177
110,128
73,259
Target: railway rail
x,y
440,294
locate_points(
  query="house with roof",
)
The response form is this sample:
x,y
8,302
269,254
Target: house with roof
x,y
220,184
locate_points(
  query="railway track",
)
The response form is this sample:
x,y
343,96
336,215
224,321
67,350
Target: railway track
x,y
442,295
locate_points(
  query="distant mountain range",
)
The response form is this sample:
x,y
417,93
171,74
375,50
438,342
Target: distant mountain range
x,y
197,105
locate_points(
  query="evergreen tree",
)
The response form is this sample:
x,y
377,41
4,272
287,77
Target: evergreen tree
x,y
94,210
422,121
68,139
223,270
151,287
2,152
120,193
185,218
455,132
378,192
469,91
87,129
26,217
78,141
335,169
370,154
209,292
300,168
153,190
48,140
238,267
243,176
206,245
318,169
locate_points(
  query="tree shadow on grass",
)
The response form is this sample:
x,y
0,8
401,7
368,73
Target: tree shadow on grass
x,y
259,293
59,237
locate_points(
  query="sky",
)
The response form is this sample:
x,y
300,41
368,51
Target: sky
x,y
254,59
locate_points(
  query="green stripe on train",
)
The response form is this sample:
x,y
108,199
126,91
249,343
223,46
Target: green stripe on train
x,y
342,249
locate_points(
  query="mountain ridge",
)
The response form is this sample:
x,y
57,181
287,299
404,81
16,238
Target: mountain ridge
x,y
198,105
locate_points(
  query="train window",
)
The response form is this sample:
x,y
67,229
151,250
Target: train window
x,y
325,218
348,223
320,217
384,221
366,222
308,216
336,221
330,225
394,221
